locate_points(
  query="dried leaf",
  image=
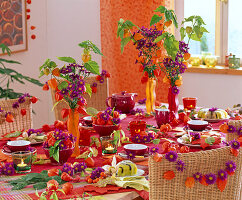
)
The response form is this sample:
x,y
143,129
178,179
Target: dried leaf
x,y
221,184
203,181
83,155
235,152
169,175
204,144
190,182
157,157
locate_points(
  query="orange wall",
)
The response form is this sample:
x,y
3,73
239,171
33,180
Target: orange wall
x,y
125,75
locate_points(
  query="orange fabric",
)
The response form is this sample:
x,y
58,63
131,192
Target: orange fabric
x,y
125,75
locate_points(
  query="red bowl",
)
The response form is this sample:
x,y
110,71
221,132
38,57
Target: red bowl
x,y
18,145
137,149
64,155
197,125
136,127
105,130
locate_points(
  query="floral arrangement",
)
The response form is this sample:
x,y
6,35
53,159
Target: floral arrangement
x,y
7,169
149,41
58,140
96,175
9,116
144,137
73,85
100,79
107,117
74,168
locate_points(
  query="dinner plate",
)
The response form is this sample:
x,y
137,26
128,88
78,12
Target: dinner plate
x,y
181,141
136,159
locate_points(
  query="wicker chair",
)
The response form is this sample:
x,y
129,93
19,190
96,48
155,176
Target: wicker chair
x,y
205,162
97,100
20,122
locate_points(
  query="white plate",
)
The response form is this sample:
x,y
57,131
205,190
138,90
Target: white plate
x,y
136,159
181,141
140,172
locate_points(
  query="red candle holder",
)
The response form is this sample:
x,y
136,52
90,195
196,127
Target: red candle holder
x,y
136,127
189,103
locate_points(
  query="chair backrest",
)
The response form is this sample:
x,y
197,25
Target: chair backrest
x,y
20,122
205,162
97,100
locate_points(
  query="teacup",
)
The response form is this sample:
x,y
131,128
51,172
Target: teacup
x,y
137,149
197,125
18,145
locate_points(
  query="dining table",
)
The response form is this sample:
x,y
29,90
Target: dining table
x,y
108,192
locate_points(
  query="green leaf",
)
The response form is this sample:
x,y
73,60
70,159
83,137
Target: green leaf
x,y
199,20
168,15
194,37
42,198
51,151
156,141
88,89
197,31
92,66
161,37
183,33
57,143
174,18
210,140
14,134
44,173
56,155
160,9
36,193
40,185
19,186
189,19
90,46
202,29
9,61
62,85
67,59
124,41
91,111
155,19
52,64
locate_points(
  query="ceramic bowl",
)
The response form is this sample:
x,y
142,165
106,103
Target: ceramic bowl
x,y
137,149
105,130
18,145
197,125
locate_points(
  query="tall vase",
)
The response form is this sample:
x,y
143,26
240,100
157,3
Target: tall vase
x,y
173,102
150,95
72,126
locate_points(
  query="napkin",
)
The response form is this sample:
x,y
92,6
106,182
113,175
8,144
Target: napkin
x,y
137,182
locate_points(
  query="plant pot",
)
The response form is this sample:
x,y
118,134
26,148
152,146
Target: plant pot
x,y
64,155
105,130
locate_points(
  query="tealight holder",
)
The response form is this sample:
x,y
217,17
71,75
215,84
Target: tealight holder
x,y
22,161
189,103
109,145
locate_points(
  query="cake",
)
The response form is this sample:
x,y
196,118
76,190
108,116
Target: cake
x,y
126,168
212,113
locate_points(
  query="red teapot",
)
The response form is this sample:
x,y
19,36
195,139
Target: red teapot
x,y
123,102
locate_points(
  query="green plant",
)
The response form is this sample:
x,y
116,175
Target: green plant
x,y
8,76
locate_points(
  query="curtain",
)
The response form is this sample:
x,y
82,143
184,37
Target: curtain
x,y
125,75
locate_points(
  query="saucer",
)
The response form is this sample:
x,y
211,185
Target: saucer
x,y
136,159
8,152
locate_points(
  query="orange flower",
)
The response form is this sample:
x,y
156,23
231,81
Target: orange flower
x,y
52,83
126,33
56,72
187,56
159,26
169,175
224,128
138,36
221,184
185,63
157,157
166,80
178,82
159,44
158,53
168,23
190,182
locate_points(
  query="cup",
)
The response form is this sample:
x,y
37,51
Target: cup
x,y
162,116
18,145
22,161
109,145
189,103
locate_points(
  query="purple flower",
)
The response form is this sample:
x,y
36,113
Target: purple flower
x,y
116,120
151,136
21,99
146,139
80,167
101,80
175,90
185,128
109,110
26,95
15,105
62,145
154,150
210,178
197,176
30,131
138,111
103,73
130,155
64,91
231,129
230,166
222,174
105,116
8,169
1,109
239,130
94,84
213,109
180,165
142,101
96,173
234,144
171,156
195,135
68,169
225,143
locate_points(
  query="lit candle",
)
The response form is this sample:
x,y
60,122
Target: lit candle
x,y
109,149
22,164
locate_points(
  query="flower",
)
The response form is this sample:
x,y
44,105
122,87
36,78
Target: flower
x,y
103,73
68,169
239,130
231,129
15,105
171,156
222,174
30,131
195,135
96,173
151,136
130,155
175,90
180,165
154,150
136,138
109,110
21,99
230,166
116,120
213,109
234,144
146,139
142,101
1,109
80,167
210,178
94,84
198,176
105,116
8,169
101,80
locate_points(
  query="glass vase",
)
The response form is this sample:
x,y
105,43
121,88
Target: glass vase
x,y
73,127
150,95
173,102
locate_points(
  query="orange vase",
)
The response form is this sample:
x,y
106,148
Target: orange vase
x,y
72,126
150,95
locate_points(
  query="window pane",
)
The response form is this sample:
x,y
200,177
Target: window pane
x,y
235,28
207,10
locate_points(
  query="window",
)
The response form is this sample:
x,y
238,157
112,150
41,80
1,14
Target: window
x,y
222,21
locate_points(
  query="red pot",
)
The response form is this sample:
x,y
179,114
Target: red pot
x,y
105,130
123,102
64,155
137,126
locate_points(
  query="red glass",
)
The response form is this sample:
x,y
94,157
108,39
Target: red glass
x,y
85,136
162,116
189,103
136,127
173,102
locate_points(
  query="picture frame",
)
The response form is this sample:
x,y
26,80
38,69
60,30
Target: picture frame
x,y
13,25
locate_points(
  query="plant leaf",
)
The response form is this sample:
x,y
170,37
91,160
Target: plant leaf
x,y
14,134
62,85
155,19
124,41
210,140
88,89
40,185
92,66
67,59
160,9
56,155
91,111
156,141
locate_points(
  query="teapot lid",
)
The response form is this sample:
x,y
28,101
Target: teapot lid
x,y
124,94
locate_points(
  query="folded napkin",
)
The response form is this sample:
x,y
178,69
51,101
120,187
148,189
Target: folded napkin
x,y
136,182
